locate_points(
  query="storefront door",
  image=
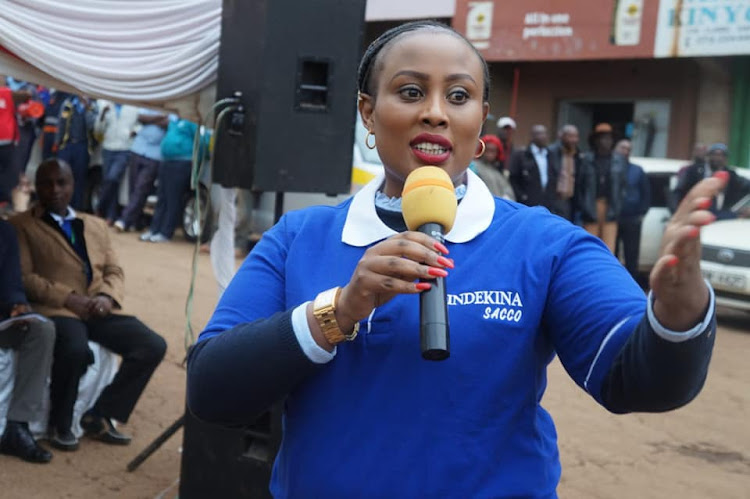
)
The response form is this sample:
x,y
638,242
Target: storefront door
x,y
645,121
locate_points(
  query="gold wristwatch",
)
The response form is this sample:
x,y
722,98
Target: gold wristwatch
x,y
324,310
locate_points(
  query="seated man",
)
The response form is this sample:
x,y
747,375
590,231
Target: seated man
x,y
70,273
33,342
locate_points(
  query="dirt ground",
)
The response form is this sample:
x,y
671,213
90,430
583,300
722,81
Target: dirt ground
x,y
700,451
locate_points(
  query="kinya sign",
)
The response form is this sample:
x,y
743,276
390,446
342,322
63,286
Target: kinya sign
x,y
688,28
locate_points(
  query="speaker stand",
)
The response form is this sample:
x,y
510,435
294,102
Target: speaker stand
x,y
158,442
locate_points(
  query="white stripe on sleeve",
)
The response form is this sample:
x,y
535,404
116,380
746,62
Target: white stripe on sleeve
x,y
601,349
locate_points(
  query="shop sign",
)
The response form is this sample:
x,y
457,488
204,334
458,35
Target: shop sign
x,y
689,28
559,29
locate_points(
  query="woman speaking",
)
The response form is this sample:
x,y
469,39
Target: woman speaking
x,y
325,311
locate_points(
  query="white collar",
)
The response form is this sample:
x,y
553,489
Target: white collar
x,y
69,215
363,226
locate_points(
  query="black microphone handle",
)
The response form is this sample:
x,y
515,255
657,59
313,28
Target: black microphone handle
x,y
434,331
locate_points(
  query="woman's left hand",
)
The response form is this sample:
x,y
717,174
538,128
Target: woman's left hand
x,y
681,295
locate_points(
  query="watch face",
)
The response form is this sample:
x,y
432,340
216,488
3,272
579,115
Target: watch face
x,y
325,299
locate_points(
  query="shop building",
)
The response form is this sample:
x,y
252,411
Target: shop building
x,y
666,73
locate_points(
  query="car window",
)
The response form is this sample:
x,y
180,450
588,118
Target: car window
x,y
659,189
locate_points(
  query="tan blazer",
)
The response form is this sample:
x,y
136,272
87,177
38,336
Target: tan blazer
x,y
51,269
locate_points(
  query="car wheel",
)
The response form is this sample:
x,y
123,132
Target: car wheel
x,y
93,189
191,223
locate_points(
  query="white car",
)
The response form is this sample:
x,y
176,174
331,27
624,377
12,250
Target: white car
x,y
661,174
725,262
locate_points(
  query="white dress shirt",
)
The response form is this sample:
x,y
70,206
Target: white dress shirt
x,y
540,156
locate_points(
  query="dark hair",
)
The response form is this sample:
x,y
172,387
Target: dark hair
x,y
54,163
370,58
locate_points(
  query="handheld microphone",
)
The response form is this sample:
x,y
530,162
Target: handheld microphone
x,y
429,206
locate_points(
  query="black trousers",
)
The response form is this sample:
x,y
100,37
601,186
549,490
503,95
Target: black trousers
x,y
142,173
174,183
77,156
629,232
8,172
140,348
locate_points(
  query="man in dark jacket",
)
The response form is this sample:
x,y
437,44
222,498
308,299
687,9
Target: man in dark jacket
x,y
533,172
635,205
33,342
600,186
700,151
567,158
737,188
75,122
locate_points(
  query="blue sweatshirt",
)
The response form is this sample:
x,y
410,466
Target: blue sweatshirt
x,y
147,141
378,420
178,141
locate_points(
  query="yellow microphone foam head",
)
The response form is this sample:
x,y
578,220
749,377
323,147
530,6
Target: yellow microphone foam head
x,y
429,197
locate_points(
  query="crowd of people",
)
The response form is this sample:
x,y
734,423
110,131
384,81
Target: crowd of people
x,y
601,189
153,149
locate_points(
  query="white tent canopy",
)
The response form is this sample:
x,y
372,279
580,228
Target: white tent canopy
x,y
162,53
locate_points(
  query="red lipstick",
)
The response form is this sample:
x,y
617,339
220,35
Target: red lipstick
x,y
431,149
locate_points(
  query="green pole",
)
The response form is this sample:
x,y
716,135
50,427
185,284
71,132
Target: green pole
x,y
739,140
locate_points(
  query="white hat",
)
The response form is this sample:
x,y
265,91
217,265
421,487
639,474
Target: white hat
x,y
506,121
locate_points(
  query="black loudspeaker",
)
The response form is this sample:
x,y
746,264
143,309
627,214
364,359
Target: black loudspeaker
x,y
293,66
229,462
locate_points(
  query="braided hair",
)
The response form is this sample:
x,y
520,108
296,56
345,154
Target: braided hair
x,y
368,66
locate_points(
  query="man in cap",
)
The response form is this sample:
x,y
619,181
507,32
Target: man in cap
x,y
700,151
600,187
505,127
737,188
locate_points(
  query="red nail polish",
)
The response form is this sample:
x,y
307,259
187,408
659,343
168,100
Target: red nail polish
x,y
441,248
723,175
445,262
423,286
434,271
673,261
705,204
694,232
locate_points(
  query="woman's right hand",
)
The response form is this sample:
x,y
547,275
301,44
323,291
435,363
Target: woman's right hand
x,y
387,269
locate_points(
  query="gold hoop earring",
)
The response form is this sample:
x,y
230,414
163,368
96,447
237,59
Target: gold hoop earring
x,y
482,151
367,140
